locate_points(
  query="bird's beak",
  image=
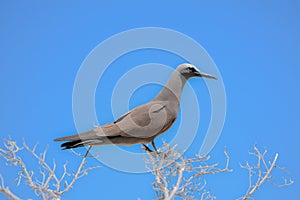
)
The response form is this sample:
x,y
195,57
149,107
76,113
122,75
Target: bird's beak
x,y
201,74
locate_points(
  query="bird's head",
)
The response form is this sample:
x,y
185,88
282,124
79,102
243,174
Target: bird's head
x,y
189,71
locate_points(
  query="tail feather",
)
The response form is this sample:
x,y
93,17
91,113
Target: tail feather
x,y
70,145
97,136
72,137
81,143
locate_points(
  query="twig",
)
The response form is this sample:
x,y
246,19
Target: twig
x,y
79,173
262,170
6,190
187,174
50,185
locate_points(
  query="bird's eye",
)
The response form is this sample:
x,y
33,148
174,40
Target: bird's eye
x,y
191,69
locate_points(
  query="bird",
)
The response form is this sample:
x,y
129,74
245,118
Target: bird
x,y
144,123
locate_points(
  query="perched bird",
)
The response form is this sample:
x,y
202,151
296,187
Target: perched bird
x,y
144,123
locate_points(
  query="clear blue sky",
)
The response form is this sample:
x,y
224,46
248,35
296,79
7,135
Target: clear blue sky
x,y
255,45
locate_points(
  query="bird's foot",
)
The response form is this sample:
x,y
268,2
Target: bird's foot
x,y
153,144
150,151
146,148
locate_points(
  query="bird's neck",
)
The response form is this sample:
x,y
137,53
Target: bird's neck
x,y
173,88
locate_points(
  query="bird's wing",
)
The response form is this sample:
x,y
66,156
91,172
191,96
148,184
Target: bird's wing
x,y
144,121
106,130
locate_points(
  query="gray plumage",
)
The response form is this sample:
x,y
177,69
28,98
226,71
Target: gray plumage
x,y
143,123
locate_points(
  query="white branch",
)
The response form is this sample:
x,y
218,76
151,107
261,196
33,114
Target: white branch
x,y
48,185
260,182
177,186
187,174
262,171
6,190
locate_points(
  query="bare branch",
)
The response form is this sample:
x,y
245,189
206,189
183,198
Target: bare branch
x,y
262,172
79,173
6,190
179,176
47,184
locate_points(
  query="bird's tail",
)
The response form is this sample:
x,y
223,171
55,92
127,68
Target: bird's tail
x,y
80,143
98,136
86,142
77,141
